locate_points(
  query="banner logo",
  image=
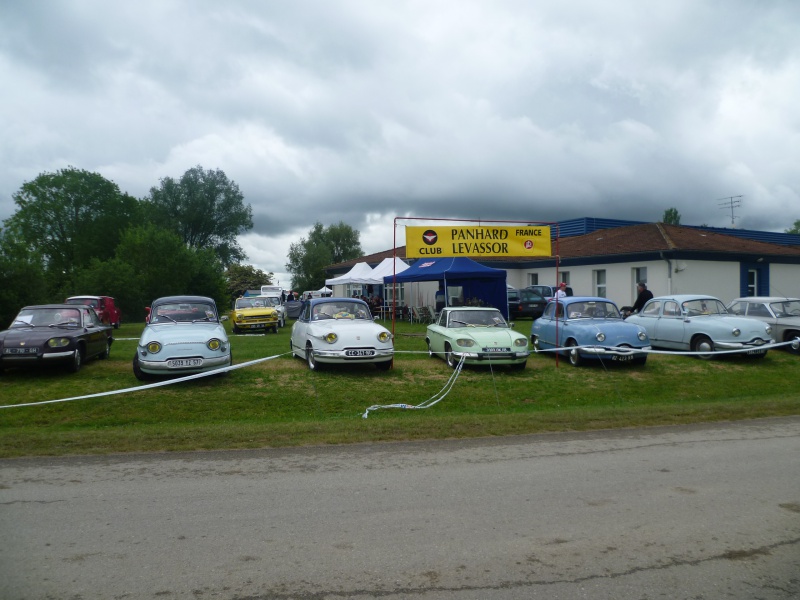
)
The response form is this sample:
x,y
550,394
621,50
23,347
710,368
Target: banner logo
x,y
430,237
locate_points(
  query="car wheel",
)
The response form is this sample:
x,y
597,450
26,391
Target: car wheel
x,y
452,359
535,343
107,352
313,365
117,324
137,370
703,343
384,366
574,355
430,350
235,329
790,336
77,360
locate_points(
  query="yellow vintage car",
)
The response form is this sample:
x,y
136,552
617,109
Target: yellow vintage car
x,y
253,314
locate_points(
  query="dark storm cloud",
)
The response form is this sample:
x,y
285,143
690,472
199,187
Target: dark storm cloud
x,y
357,112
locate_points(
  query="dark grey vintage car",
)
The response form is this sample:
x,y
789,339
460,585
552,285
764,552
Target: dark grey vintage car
x,y
783,314
54,335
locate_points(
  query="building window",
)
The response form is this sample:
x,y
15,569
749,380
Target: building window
x,y
639,275
563,276
533,279
599,277
752,282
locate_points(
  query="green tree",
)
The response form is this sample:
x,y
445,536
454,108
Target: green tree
x,y
69,218
324,246
241,278
795,228
22,278
205,209
671,217
157,263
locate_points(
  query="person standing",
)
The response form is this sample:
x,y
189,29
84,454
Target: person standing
x,y
562,290
642,298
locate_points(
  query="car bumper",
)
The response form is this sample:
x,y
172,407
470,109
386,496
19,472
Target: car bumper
x,y
341,356
500,358
160,367
754,346
604,351
25,360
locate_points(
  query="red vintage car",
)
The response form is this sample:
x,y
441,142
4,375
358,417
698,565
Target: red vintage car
x,y
104,306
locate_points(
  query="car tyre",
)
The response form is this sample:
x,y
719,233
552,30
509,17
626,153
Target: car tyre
x,y
573,354
137,370
313,365
535,343
107,352
430,350
450,357
77,360
235,329
703,343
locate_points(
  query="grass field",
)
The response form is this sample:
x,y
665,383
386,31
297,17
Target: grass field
x,y
280,403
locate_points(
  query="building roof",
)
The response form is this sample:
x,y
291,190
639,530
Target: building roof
x,y
626,242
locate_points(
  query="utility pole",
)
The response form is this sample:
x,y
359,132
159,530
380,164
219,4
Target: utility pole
x,y
731,202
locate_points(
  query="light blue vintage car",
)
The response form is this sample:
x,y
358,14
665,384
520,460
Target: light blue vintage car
x,y
594,323
183,336
702,324
480,334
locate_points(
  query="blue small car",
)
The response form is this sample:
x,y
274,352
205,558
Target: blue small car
x,y
593,322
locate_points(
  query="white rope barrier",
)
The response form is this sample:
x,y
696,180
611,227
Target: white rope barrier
x,y
149,386
435,399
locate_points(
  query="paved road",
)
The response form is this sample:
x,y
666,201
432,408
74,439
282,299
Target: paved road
x,y
701,512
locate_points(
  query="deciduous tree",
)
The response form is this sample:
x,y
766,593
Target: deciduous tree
x,y
323,246
671,217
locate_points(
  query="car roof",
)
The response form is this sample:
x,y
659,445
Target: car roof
x,y
174,299
765,299
685,297
51,306
470,308
571,299
92,297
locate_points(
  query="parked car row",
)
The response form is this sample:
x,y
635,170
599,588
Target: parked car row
x,y
185,335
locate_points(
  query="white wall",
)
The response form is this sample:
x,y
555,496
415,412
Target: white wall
x,y
715,278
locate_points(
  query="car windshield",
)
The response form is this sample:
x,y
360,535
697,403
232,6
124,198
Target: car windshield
x,y
340,310
704,307
272,301
183,312
83,301
47,317
251,303
476,318
593,310
786,308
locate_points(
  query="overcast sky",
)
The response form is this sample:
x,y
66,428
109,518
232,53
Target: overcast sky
x,y
364,110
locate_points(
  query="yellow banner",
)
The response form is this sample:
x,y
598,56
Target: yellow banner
x,y
456,240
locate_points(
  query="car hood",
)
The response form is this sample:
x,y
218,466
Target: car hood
x,y
256,311
349,331
35,335
182,332
614,330
486,336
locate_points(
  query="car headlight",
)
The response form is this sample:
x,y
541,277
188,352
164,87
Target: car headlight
x,y
214,344
600,337
465,343
384,336
768,329
58,342
330,337
239,316
521,342
736,332
153,347
642,335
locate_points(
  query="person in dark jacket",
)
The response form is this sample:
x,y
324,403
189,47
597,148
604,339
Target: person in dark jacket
x,y
642,298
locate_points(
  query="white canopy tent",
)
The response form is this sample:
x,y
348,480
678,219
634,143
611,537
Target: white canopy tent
x,y
386,268
358,274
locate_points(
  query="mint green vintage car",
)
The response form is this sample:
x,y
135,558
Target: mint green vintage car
x,y
480,334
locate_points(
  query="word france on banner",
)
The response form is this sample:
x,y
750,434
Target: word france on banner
x,y
500,241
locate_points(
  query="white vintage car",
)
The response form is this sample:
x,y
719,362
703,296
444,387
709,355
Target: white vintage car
x,y
183,336
339,331
783,314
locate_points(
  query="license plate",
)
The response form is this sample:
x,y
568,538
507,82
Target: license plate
x,y
622,358
182,363
751,352
497,349
359,353
19,351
